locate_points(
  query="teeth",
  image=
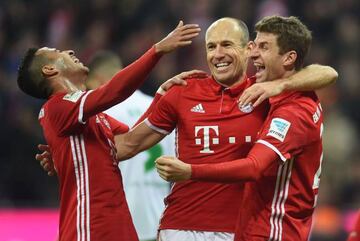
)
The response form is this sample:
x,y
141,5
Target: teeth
x,y
221,65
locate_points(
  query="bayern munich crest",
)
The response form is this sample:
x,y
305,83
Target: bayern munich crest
x,y
246,108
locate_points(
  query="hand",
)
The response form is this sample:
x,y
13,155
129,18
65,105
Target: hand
x,y
180,79
172,169
45,159
179,37
259,92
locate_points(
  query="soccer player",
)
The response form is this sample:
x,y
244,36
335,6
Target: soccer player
x,y
81,138
284,166
144,189
210,128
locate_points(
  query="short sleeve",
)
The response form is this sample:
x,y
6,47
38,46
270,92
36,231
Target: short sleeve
x,y
116,126
287,130
164,117
65,112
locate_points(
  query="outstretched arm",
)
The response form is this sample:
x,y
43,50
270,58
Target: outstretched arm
x,y
126,81
246,169
312,77
140,138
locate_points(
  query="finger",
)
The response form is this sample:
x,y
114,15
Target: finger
x,y
188,26
185,43
51,173
47,167
189,36
190,31
193,72
43,147
251,96
243,98
180,24
259,100
43,161
38,157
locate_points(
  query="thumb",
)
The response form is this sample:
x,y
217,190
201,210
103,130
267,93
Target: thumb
x,y
180,24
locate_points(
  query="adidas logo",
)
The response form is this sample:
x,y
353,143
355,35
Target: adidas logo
x,y
198,108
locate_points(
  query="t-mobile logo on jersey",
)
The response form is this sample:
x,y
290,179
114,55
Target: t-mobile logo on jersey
x,y
206,138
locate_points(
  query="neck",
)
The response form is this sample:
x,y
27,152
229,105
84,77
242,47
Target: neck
x,y
62,84
287,74
233,82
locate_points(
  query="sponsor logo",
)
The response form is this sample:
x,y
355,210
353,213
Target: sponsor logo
x,y
279,128
198,108
205,139
73,97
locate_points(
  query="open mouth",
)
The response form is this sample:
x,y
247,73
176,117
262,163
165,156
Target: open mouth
x,y
222,66
259,68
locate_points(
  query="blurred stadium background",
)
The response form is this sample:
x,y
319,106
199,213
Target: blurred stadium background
x,y
28,197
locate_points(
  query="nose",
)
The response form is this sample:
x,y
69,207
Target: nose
x,y
70,52
219,53
254,51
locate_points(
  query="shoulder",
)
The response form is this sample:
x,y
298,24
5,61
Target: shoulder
x,y
300,104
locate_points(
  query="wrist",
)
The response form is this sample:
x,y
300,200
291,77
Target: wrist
x,y
158,49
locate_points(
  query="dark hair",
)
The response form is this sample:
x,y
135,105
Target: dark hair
x,y
30,79
291,34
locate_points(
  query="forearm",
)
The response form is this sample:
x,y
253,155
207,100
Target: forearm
x,y
309,78
246,169
149,110
122,85
136,140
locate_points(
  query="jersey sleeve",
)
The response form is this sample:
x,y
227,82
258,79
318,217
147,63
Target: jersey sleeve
x,y
121,86
287,130
117,127
63,112
164,116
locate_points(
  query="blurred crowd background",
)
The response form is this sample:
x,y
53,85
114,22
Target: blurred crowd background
x,y
129,28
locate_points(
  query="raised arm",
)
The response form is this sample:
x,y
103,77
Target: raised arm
x,y
140,138
312,77
126,81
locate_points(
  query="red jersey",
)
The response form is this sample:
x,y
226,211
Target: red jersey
x,y
210,128
81,139
279,204
92,200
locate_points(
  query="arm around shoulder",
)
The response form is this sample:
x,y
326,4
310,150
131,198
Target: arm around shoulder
x,y
312,77
140,138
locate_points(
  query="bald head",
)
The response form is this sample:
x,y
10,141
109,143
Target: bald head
x,y
233,27
226,52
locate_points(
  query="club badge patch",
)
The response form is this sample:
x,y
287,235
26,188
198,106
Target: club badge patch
x,y
246,108
279,128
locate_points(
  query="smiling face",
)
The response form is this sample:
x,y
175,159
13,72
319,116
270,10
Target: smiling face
x,y
226,52
265,53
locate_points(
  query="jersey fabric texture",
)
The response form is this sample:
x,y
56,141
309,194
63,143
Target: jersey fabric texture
x,y
210,128
92,200
145,190
280,203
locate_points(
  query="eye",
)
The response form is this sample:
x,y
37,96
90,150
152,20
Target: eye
x,y
211,47
226,44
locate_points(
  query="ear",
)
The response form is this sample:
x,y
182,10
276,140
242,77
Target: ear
x,y
290,58
49,70
250,45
